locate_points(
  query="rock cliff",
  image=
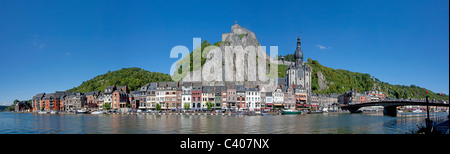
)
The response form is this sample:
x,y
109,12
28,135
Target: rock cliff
x,y
231,58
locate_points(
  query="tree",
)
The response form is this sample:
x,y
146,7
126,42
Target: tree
x,y
158,107
186,106
107,106
16,101
209,105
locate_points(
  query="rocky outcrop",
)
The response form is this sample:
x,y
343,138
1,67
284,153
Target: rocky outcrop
x,y
322,81
232,59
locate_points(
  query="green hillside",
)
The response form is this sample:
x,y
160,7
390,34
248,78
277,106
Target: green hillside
x,y
340,81
134,78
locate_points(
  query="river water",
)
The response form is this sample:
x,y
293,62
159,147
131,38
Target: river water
x,y
326,123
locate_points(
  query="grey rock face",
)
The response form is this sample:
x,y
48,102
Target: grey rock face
x,y
239,55
322,81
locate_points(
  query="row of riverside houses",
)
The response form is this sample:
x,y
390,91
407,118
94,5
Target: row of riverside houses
x,y
292,92
175,96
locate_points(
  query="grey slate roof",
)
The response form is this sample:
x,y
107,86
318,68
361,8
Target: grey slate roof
x,y
240,88
208,89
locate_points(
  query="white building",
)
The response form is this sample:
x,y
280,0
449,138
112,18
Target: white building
x,y
186,94
253,99
278,97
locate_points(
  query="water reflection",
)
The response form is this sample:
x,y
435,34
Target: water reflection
x,y
326,123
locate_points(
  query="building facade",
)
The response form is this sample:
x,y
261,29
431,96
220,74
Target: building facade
x,y
299,73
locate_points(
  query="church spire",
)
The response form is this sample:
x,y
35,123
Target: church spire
x,y
298,55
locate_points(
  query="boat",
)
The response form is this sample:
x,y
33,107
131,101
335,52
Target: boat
x,y
81,112
314,112
239,113
290,111
417,111
43,112
54,112
98,112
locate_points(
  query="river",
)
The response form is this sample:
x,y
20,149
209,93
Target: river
x,y
326,123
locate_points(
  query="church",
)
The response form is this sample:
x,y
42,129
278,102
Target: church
x,y
299,73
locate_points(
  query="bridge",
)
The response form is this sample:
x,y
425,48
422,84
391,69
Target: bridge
x,y
390,107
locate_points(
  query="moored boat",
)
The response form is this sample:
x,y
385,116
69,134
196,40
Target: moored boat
x,y
54,112
98,112
417,111
314,112
290,111
43,112
81,112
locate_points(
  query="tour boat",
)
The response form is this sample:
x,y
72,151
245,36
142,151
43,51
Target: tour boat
x,y
290,111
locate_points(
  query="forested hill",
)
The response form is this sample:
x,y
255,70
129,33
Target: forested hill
x,y
326,80
134,78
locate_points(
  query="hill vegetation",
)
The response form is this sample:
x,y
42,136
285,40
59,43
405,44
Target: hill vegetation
x,y
340,81
134,78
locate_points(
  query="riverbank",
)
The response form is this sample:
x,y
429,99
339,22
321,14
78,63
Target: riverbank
x,y
189,113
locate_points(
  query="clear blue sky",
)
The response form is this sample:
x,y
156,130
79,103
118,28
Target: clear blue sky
x,y
56,45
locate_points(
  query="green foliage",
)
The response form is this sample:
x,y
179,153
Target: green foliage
x,y
187,106
158,107
242,35
186,62
288,57
107,106
134,78
209,105
16,101
340,81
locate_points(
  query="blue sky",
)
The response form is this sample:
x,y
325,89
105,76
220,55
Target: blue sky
x,y
56,45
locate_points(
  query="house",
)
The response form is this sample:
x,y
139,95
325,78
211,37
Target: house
x,y
196,95
352,97
218,99
151,96
92,100
278,98
143,97
289,100
135,100
171,95
120,100
186,94
36,102
269,100
107,95
301,96
75,101
252,99
240,97
51,102
123,88
207,95
161,94
22,106
231,94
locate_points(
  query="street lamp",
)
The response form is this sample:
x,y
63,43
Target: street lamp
x,y
428,115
